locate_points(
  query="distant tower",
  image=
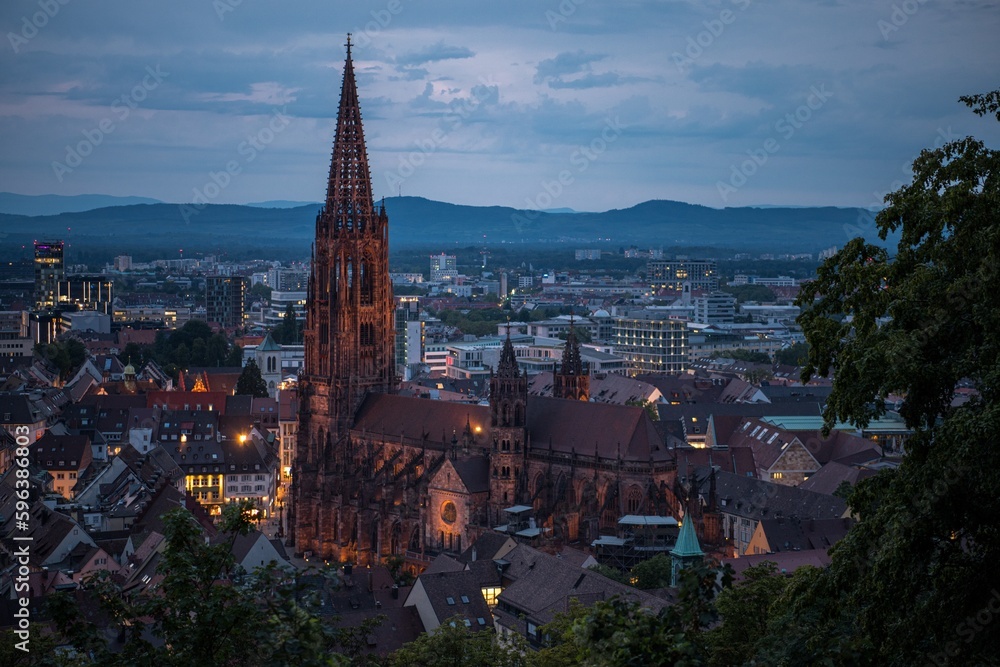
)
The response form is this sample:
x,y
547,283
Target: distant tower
x,y
49,271
571,380
349,330
268,355
686,552
508,422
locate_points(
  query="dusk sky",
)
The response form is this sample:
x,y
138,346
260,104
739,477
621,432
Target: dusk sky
x,y
492,103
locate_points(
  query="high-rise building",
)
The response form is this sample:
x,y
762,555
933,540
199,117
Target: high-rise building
x,y
671,274
349,335
225,296
652,343
409,336
443,267
49,270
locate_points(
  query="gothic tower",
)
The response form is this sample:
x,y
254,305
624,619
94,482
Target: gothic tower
x,y
349,330
508,426
570,379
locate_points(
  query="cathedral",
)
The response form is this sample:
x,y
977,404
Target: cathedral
x,y
378,474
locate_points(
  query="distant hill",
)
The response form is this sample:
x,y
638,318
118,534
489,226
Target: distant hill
x,y
15,204
415,221
281,203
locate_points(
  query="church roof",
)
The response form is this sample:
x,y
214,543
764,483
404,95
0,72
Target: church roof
x,y
564,425
268,344
404,416
583,427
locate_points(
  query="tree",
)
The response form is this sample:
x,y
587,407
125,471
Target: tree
x,y
250,382
66,355
620,632
454,645
794,355
918,568
743,293
652,573
743,355
261,290
746,611
206,611
647,405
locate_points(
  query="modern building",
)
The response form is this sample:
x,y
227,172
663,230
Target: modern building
x,y
87,293
225,296
409,337
780,281
49,270
587,253
652,342
15,339
443,268
715,308
280,300
671,274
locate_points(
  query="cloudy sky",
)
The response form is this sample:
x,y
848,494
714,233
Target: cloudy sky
x,y
583,104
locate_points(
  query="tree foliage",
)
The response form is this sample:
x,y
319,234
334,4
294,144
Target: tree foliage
x,y
66,355
205,611
251,382
918,568
455,645
796,354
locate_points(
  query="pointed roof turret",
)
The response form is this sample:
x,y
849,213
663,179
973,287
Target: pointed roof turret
x,y
572,364
508,359
268,344
687,541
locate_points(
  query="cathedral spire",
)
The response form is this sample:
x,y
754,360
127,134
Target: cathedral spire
x,y
571,362
349,202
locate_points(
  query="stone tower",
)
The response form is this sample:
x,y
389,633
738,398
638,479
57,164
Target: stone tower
x,y
349,332
571,380
508,427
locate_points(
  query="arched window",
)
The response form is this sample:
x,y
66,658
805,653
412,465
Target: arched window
x,y
633,501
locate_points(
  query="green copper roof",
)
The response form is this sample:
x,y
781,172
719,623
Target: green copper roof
x,y
687,541
268,344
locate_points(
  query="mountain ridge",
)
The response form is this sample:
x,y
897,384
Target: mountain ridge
x,y
416,221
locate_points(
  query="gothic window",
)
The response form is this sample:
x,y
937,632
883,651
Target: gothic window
x,y
519,415
634,500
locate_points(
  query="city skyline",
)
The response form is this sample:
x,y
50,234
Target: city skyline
x,y
554,105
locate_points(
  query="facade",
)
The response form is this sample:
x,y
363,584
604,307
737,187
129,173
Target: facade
x,y
377,473
87,292
49,270
443,268
715,308
15,340
652,343
671,274
225,297
409,336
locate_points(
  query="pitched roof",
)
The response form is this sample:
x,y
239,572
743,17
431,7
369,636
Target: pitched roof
x,y
757,499
797,535
457,594
829,478
542,585
474,472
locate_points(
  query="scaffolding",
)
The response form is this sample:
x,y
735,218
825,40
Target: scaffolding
x,y
639,538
